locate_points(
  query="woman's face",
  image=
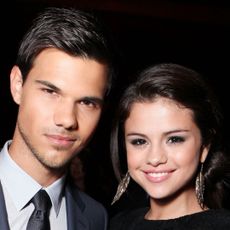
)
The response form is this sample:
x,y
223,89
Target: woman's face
x,y
164,147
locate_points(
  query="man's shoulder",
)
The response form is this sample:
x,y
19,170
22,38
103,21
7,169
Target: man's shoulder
x,y
84,200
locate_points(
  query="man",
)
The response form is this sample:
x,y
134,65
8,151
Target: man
x,y
62,73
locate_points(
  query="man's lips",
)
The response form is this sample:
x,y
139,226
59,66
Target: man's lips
x,y
61,140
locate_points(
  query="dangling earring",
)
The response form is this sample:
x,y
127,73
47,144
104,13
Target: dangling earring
x,y
121,187
200,187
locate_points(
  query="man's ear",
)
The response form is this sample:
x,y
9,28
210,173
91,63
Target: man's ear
x,y
16,83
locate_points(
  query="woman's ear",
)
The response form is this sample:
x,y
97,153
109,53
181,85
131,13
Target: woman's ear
x,y
204,153
16,83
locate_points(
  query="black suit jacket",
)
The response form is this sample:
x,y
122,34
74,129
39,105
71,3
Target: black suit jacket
x,y
83,212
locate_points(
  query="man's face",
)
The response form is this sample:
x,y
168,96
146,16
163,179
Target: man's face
x,y
60,104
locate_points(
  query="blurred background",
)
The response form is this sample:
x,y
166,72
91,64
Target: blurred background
x,y
192,33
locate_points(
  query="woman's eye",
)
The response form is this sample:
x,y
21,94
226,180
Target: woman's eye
x,y
175,139
138,142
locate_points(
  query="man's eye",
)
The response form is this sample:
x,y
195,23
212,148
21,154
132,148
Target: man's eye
x,y
49,91
88,103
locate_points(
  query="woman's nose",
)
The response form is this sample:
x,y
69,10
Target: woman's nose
x,y
156,156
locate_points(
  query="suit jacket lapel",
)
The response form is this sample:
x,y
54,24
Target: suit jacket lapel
x,y
75,207
4,225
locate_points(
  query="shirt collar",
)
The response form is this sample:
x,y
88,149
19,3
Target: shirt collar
x,y
56,194
21,186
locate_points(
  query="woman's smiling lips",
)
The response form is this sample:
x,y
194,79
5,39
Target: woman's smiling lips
x,y
158,176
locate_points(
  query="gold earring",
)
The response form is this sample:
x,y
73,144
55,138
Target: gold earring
x,y
121,187
200,187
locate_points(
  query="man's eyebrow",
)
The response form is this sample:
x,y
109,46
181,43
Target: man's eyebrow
x,y
97,100
48,84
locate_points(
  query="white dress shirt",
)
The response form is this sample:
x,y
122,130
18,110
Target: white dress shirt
x,y
18,188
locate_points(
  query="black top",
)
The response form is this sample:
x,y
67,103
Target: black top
x,y
214,219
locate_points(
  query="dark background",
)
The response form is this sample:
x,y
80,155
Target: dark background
x,y
192,33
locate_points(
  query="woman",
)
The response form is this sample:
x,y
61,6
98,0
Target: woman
x,y
168,131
